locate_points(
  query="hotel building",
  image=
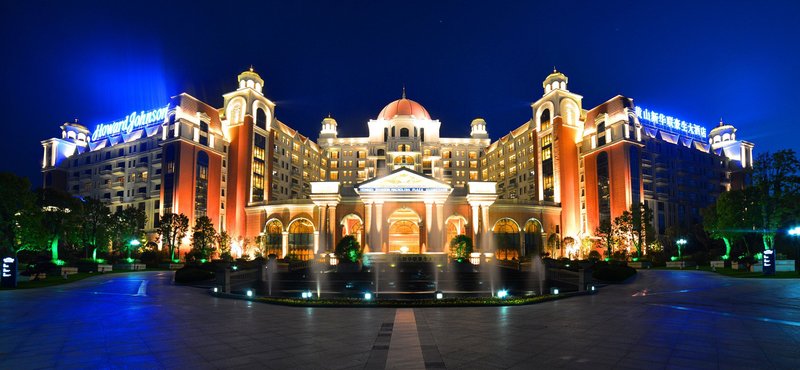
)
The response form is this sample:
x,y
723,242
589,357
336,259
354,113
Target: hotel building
x,y
402,188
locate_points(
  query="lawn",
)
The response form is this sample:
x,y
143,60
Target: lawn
x,y
52,280
740,273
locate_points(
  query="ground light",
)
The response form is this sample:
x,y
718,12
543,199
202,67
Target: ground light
x,y
306,295
234,267
554,291
215,290
502,294
367,296
795,231
439,295
249,293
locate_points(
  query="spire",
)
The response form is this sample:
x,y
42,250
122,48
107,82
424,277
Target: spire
x,y
720,121
404,91
251,68
554,69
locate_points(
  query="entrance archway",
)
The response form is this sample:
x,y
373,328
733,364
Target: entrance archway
x,y
273,235
533,238
506,239
404,231
352,225
455,225
301,239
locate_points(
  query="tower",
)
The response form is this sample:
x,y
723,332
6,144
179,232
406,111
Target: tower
x,y
478,129
329,128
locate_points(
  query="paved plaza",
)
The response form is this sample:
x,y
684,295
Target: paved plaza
x,y
663,319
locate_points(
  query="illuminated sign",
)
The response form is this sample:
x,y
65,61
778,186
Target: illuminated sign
x,y
9,277
133,121
403,190
669,123
769,262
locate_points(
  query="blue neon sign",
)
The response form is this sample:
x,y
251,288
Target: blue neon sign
x,y
133,121
669,123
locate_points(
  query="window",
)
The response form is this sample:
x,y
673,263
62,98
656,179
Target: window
x,y
261,118
603,190
544,120
385,134
601,134
201,185
393,132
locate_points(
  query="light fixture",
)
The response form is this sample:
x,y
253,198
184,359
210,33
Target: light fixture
x,y
306,295
439,294
215,290
249,293
795,231
502,294
367,296
554,291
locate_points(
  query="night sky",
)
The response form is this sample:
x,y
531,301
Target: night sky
x,y
98,61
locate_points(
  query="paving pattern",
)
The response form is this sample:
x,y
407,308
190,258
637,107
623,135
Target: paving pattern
x,y
663,319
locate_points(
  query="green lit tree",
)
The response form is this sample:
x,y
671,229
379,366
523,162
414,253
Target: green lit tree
x,y
224,244
127,229
460,247
204,236
776,178
59,218
348,249
734,214
172,229
94,228
20,217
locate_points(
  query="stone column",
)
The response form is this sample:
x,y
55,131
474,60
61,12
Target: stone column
x,y
368,226
321,228
379,227
486,228
440,227
475,224
284,244
430,232
316,242
332,225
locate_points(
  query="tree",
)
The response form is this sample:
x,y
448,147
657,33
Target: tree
x,y
94,228
203,237
172,229
460,247
636,226
224,243
20,217
127,229
348,249
59,218
607,234
734,214
776,176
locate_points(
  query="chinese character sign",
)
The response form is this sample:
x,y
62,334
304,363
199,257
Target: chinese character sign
x,y
669,123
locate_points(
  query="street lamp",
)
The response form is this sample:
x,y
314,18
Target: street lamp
x,y
795,231
681,243
133,244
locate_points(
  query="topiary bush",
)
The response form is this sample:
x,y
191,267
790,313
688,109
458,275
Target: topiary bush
x,y
460,248
348,250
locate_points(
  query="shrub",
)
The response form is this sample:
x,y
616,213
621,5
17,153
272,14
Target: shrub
x,y
348,249
613,272
193,274
594,255
461,247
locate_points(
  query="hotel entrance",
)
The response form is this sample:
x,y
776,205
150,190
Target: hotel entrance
x,y
404,233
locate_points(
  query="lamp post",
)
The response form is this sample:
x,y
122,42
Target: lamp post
x,y
681,243
133,243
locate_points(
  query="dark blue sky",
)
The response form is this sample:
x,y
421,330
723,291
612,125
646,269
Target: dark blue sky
x,y
98,61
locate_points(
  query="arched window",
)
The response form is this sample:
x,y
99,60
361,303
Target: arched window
x,y
261,118
385,134
415,132
403,132
381,152
203,133
201,185
544,120
533,237
273,235
506,239
603,190
301,239
422,134
393,132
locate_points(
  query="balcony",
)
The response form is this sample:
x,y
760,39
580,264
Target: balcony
x,y
118,171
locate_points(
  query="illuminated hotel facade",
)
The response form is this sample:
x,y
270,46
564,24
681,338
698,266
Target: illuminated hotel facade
x,y
402,188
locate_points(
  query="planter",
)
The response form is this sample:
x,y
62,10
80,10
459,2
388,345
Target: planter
x,y
104,268
719,264
32,277
680,264
784,266
172,266
640,264
757,267
66,271
739,265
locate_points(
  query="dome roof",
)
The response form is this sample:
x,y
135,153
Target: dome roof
x,y
404,107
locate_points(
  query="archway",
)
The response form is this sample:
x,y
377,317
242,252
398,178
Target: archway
x,y
353,225
506,239
455,225
272,238
533,238
404,231
301,239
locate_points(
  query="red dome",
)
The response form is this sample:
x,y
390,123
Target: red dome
x,y
404,107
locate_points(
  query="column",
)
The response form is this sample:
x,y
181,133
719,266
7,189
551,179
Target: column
x,y
440,227
316,242
332,227
430,232
379,226
321,228
486,227
285,244
475,226
368,226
